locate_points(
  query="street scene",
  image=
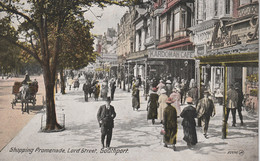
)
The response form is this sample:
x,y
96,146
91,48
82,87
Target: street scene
x,y
132,132
129,80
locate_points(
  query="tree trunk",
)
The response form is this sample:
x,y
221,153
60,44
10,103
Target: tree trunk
x,y
51,121
62,82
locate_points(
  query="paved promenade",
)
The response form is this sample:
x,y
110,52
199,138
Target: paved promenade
x,y
134,138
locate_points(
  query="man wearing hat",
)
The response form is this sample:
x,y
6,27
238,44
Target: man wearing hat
x,y
240,101
105,116
205,110
168,87
232,100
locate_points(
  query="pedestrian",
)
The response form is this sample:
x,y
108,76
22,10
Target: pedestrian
x,y
86,88
104,89
96,90
112,88
76,84
170,124
152,105
176,97
160,86
168,88
232,100
193,93
205,110
135,98
162,104
239,102
189,124
105,116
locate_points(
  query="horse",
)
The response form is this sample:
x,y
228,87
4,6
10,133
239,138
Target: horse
x,y
24,93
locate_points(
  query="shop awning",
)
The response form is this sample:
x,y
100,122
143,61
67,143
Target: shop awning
x,y
238,59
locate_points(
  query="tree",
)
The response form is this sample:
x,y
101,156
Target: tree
x,y
38,21
77,49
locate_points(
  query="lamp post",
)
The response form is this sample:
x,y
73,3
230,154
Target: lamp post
x,y
128,81
185,70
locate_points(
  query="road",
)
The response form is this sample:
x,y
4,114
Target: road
x,y
12,120
136,137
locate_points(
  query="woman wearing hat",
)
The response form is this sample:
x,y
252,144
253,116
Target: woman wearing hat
x,y
189,125
135,98
170,124
152,105
162,104
176,98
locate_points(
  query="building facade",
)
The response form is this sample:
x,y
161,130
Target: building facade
x,y
226,49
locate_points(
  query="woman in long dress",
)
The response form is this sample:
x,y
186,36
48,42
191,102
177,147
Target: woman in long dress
x,y
162,104
176,97
152,105
170,124
135,98
189,125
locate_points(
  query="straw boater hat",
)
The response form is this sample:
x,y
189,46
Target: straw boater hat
x,y
189,100
174,90
169,100
168,81
206,92
162,91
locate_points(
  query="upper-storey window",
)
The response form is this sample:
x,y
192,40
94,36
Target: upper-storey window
x,y
216,7
204,10
227,6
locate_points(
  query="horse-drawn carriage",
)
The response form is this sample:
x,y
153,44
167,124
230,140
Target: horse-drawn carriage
x,y
24,94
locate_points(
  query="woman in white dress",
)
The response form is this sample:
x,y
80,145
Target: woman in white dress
x,y
162,104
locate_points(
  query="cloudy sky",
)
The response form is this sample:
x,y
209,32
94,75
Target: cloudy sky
x,y
110,17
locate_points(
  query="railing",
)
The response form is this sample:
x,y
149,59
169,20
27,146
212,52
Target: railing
x,y
248,9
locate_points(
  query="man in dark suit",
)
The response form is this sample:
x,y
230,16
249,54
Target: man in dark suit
x,y
105,116
205,110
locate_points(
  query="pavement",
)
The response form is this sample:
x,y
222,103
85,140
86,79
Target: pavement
x,y
134,137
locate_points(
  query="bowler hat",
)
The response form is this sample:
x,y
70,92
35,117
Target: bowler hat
x,y
108,99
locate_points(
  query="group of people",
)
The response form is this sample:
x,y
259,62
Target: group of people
x,y
106,89
164,104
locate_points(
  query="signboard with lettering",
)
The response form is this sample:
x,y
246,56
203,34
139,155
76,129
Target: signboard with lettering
x,y
170,54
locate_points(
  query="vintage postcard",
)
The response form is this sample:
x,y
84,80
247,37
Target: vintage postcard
x,y
159,80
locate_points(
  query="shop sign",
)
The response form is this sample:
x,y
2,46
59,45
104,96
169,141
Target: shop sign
x,y
170,54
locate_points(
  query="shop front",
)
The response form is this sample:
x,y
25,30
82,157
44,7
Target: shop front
x,y
232,58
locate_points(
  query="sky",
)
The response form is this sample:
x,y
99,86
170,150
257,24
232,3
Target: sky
x,y
110,17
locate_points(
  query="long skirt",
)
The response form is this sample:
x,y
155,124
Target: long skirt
x,y
190,135
135,102
170,136
152,112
